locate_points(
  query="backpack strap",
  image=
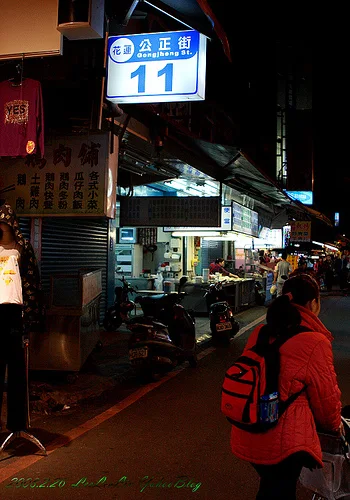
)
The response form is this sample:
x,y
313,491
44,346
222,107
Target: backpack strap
x,y
281,339
283,405
271,353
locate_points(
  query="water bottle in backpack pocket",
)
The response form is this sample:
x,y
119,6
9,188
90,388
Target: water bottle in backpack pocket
x,y
268,408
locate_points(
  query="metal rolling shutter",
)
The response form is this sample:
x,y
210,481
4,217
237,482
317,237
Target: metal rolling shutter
x,y
71,244
25,224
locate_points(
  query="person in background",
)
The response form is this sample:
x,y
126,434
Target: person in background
x,y
218,267
344,271
267,256
337,265
281,273
241,272
328,272
302,264
306,362
262,258
318,266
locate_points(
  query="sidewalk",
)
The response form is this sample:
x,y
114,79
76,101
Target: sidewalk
x,y
106,368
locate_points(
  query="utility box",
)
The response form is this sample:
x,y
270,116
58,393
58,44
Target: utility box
x,y
81,19
72,323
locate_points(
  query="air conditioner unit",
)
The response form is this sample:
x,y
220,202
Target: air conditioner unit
x,y
81,19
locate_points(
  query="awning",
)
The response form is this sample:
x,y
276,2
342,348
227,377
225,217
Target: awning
x,y
314,213
193,14
140,165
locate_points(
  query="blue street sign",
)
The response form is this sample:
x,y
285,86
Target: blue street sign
x,y
156,67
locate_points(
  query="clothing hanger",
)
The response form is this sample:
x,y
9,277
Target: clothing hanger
x,y
17,80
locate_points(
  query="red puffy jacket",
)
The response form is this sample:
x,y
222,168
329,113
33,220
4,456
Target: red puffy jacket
x,y
306,361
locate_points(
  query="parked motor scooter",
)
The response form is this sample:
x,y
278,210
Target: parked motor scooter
x,y
223,325
120,311
163,337
260,295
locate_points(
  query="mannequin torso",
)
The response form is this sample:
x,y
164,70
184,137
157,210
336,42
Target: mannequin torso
x,y
10,278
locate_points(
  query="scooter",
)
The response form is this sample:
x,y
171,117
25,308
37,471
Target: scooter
x,y
260,295
120,311
223,325
164,337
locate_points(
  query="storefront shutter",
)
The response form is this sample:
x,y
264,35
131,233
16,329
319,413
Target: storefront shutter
x,y
72,244
25,226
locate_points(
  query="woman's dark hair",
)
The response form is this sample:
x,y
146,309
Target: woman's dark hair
x,y
282,315
220,259
182,282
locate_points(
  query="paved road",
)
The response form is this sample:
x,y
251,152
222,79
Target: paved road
x,y
165,440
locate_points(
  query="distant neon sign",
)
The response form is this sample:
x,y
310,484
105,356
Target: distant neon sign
x,y
336,219
305,197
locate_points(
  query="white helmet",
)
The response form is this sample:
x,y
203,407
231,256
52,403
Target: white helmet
x,y
273,290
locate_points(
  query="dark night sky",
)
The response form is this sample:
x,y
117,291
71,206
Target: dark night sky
x,y
320,55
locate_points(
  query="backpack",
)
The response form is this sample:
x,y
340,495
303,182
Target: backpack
x,y
249,396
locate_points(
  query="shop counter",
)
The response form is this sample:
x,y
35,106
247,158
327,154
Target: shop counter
x,y
138,284
72,323
194,298
239,293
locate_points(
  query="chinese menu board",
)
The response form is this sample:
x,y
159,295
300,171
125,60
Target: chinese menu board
x,y
300,230
191,211
245,220
72,178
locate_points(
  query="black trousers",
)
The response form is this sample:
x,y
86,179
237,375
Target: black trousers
x,y
279,481
12,356
328,280
343,279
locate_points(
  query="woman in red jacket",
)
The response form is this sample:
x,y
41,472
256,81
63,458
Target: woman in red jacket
x,y
306,360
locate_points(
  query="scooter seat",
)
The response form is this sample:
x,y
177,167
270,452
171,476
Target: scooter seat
x,y
149,298
219,306
158,325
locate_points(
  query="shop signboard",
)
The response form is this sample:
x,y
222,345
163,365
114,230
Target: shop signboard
x,y
191,211
305,197
76,177
300,231
285,236
269,238
226,223
156,67
245,220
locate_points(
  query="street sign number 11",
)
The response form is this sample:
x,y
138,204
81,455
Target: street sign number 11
x,y
156,67
140,72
